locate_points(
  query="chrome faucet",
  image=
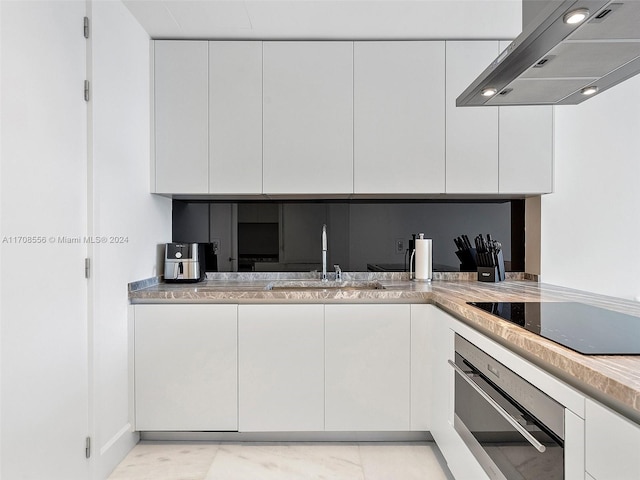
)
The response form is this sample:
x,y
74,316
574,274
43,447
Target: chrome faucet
x,y
324,253
338,273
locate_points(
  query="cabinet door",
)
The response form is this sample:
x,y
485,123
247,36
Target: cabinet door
x,y
367,365
186,367
612,444
281,368
399,92
235,117
181,86
421,367
308,117
526,148
472,132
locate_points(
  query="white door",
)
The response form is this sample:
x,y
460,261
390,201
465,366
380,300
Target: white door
x,y
308,117
43,291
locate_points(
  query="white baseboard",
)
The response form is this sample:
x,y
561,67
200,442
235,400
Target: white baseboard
x,y
114,450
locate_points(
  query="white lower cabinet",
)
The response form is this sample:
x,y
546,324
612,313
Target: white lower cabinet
x,y
281,368
367,367
185,367
612,444
421,366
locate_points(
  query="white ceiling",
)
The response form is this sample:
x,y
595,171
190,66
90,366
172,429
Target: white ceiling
x,y
328,19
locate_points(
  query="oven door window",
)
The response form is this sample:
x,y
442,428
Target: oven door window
x,y
501,449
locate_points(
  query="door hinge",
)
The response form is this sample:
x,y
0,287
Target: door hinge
x,y
87,267
86,27
87,88
87,447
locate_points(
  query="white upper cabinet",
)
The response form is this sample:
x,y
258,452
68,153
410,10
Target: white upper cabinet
x,y
526,148
472,132
399,121
181,111
235,117
308,117
337,118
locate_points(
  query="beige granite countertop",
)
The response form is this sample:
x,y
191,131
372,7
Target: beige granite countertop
x,y
613,380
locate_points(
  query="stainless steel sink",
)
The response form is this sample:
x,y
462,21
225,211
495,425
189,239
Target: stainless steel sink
x,y
320,285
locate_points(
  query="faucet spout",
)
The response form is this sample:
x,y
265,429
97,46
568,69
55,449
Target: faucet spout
x,y
324,253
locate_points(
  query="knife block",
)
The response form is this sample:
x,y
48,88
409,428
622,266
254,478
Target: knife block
x,y
467,260
488,274
494,273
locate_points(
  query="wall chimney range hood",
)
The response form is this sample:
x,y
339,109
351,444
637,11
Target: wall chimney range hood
x,y
561,59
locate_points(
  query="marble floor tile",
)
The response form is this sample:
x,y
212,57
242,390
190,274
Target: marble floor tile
x,y
166,461
281,461
284,461
406,461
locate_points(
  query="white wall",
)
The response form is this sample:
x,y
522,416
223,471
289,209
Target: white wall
x,y
591,223
122,207
43,296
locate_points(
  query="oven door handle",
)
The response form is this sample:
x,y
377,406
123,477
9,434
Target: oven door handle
x,y
514,423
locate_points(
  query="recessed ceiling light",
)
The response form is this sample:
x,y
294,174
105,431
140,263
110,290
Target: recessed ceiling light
x,y
575,16
589,90
489,92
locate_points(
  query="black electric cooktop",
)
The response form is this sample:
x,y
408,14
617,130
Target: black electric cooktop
x,y
586,329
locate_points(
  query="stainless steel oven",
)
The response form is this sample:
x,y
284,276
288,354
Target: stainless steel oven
x,y
513,429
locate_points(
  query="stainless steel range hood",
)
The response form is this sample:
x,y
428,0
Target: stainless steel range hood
x,y
553,62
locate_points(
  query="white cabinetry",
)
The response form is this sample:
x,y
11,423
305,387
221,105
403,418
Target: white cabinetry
x,y
181,89
493,149
186,367
281,365
399,90
308,117
612,444
367,367
421,366
235,117
525,148
472,132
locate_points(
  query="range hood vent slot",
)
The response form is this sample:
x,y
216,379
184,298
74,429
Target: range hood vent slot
x,y
605,13
541,63
551,62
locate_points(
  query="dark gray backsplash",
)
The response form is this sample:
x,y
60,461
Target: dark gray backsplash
x,y
359,233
